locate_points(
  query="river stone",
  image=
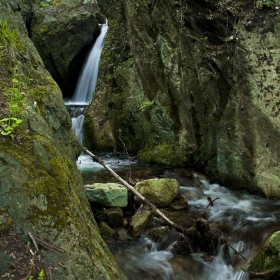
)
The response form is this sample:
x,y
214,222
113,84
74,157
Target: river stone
x,y
105,230
115,217
266,262
110,194
160,192
139,222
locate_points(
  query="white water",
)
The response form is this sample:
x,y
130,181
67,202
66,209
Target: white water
x,y
84,91
247,219
88,78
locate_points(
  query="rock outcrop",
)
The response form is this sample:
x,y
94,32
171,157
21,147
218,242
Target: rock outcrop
x,y
40,186
193,83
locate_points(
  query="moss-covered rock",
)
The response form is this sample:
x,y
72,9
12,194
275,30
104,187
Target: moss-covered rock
x,y
267,263
188,84
41,188
62,32
107,194
139,221
161,192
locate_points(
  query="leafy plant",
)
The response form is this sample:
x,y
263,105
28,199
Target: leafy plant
x,y
8,125
41,275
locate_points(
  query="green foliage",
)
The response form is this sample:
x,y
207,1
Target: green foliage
x,y
266,3
40,276
8,125
146,104
8,34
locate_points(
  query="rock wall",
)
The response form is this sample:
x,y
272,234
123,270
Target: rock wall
x,y
40,186
193,83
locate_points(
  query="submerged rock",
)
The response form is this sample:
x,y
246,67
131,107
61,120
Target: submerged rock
x,y
161,192
110,194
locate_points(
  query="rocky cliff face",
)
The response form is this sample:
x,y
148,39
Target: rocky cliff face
x,y
40,186
193,83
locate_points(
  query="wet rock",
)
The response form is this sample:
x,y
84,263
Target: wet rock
x,y
106,230
115,217
139,222
40,185
61,32
111,194
266,262
122,234
179,204
160,192
157,233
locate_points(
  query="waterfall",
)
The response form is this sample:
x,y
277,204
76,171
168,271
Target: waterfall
x,y
86,85
88,78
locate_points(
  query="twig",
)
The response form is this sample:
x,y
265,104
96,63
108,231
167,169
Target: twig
x,y
236,252
47,245
210,203
27,276
126,152
33,240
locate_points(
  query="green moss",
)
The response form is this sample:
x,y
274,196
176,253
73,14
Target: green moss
x,y
5,220
267,261
162,153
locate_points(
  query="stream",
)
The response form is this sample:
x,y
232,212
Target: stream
x,y
248,220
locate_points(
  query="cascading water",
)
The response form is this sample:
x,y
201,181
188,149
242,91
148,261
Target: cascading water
x,y
85,87
248,220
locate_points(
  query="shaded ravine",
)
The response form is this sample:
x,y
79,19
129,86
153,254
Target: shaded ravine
x,y
248,220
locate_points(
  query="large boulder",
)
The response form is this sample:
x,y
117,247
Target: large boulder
x,y
266,263
40,185
63,32
161,192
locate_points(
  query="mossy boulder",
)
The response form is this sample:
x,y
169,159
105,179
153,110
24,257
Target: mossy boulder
x,y
161,192
267,261
40,185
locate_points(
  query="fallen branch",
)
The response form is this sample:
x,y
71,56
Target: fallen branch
x,y
140,196
47,245
199,235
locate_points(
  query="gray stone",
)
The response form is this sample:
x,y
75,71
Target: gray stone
x,y
111,194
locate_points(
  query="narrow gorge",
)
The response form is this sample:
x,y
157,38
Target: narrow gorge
x,y
181,84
